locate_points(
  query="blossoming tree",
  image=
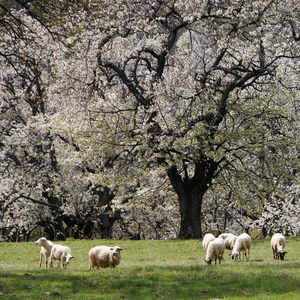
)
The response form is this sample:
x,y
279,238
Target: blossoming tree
x,y
195,91
198,94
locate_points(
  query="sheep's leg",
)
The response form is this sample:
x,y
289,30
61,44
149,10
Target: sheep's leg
x,y
41,258
46,260
275,254
50,262
92,264
64,262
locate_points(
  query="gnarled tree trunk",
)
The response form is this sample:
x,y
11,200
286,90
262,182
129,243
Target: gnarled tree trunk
x,y
190,193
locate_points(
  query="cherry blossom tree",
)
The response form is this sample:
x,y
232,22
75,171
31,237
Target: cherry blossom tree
x,y
170,106
32,189
195,91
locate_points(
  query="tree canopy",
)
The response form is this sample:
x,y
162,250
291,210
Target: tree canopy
x,y
161,106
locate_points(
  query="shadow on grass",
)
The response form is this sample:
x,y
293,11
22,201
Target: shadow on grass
x,y
242,280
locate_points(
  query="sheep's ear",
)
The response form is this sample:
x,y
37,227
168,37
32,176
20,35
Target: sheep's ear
x,y
229,253
284,252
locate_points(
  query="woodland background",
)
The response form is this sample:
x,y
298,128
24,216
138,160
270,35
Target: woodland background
x,y
156,119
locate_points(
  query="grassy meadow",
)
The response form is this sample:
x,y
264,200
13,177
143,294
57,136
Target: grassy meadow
x,y
151,270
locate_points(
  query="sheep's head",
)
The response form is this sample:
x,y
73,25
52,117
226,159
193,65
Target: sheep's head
x,y
234,255
208,260
40,241
280,255
116,252
68,258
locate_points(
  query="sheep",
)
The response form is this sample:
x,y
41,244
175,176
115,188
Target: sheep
x,y
242,243
215,251
104,257
45,249
278,242
60,253
206,240
229,240
224,235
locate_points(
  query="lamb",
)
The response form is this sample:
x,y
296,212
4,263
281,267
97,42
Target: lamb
x,y
104,257
45,249
206,240
229,240
242,243
60,253
215,251
278,242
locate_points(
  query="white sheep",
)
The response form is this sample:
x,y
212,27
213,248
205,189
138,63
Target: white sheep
x,y
242,244
104,257
45,249
278,242
224,235
60,253
206,240
229,240
215,251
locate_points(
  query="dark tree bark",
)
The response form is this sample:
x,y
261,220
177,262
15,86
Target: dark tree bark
x,y
190,193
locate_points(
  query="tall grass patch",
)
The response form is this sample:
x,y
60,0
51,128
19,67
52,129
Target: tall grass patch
x,y
151,270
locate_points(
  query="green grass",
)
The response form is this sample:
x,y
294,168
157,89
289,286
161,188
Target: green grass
x,y
151,270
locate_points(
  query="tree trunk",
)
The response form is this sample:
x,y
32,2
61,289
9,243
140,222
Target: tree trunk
x,y
190,211
190,193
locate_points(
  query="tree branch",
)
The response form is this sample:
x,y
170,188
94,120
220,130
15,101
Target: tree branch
x,y
131,87
39,201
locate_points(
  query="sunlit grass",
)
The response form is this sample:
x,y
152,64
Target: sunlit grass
x,y
151,270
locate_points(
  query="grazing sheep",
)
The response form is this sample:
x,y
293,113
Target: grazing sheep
x,y
215,251
229,240
45,249
60,253
242,243
206,240
104,257
224,235
278,242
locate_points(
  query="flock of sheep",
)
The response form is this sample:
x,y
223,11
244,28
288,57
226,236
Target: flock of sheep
x,y
215,247
100,256
104,257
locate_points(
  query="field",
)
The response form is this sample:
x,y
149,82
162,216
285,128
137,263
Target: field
x,y
151,270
